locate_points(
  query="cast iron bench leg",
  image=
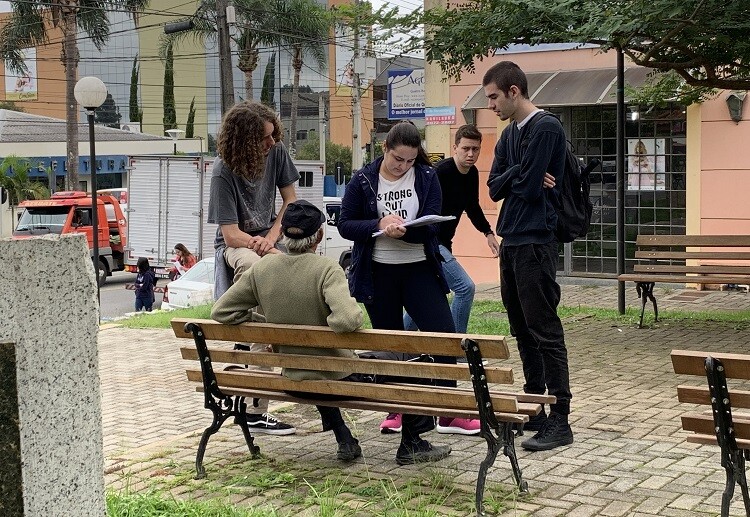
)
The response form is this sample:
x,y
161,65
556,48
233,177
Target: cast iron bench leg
x,y
221,406
218,421
732,458
488,423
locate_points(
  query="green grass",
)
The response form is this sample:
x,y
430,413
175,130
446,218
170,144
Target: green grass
x,y
161,319
161,505
487,317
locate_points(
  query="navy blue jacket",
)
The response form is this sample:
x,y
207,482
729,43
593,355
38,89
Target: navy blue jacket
x,y
528,214
359,220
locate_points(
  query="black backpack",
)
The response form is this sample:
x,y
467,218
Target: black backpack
x,y
574,208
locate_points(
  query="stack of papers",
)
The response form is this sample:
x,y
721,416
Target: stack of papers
x,y
421,221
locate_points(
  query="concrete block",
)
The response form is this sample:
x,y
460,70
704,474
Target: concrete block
x,y
50,317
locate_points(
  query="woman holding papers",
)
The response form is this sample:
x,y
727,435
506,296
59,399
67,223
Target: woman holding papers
x,y
183,261
400,268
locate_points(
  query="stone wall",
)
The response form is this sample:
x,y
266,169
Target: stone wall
x,y
49,313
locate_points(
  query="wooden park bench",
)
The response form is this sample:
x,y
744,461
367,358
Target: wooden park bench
x,y
675,259
501,413
721,425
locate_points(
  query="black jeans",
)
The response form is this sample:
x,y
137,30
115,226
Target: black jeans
x,y
531,294
417,289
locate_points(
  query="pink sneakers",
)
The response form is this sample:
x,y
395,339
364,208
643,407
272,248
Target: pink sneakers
x,y
391,424
457,426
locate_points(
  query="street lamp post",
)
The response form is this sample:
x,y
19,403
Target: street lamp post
x,y
174,134
90,92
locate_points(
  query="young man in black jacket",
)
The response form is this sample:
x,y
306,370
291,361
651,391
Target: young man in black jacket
x,y
528,166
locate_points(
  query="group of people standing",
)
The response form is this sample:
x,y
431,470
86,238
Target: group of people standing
x,y
401,274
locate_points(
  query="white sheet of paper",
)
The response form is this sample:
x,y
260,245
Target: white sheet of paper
x,y
421,221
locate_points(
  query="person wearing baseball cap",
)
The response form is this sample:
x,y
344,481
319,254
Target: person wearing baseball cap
x,y
301,288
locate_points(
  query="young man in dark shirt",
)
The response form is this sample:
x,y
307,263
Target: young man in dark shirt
x,y
459,183
526,172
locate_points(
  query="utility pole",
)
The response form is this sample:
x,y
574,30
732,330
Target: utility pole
x,y
322,128
356,105
356,93
226,80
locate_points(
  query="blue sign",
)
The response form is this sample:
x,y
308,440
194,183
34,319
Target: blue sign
x,y
405,94
105,164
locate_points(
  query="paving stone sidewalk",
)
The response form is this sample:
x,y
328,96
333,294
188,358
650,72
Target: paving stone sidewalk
x,y
630,457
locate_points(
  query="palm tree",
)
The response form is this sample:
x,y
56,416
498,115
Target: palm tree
x,y
15,178
28,26
253,19
303,27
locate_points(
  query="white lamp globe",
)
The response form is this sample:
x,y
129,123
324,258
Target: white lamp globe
x,y
90,92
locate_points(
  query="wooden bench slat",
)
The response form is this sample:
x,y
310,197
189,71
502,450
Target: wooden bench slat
x,y
702,269
682,279
704,424
418,395
689,362
694,240
701,395
495,374
685,255
372,405
705,439
493,347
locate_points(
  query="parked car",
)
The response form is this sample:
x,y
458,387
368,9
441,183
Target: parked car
x,y
194,287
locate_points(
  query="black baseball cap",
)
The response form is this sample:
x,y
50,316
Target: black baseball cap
x,y
301,219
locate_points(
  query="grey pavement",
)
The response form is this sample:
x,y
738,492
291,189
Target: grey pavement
x,y
630,457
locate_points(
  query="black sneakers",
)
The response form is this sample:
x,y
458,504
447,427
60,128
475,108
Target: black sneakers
x,y
349,451
555,432
421,452
536,422
267,424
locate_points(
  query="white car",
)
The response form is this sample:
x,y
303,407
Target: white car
x,y
194,287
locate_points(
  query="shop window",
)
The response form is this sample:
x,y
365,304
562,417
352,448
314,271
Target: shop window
x,y
306,178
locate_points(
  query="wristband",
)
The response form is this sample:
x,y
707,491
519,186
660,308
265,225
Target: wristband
x,y
487,234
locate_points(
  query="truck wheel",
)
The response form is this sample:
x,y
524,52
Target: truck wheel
x,y
101,274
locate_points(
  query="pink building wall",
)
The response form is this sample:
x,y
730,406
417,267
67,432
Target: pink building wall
x,y
724,170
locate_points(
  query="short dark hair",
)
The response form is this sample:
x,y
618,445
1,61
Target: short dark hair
x,y
468,131
506,74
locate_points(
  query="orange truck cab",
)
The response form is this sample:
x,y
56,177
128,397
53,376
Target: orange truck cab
x,y
71,212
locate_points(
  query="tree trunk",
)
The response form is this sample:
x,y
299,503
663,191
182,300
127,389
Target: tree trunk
x,y
247,64
70,61
297,65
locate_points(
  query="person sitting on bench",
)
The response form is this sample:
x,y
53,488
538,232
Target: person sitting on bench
x,y
320,296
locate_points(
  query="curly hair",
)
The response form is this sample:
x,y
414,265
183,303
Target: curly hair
x,y
241,136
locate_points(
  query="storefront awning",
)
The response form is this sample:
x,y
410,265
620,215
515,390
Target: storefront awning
x,y
570,88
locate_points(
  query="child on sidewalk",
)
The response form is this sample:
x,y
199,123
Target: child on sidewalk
x,y
144,286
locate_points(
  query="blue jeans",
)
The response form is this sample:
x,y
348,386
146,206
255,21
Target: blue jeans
x,y
463,292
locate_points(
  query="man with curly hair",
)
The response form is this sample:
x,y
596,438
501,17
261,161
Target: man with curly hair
x,y
251,165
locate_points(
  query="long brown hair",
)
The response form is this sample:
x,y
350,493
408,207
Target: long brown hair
x,y
406,133
184,253
241,137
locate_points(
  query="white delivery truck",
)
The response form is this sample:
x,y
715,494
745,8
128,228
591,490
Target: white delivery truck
x,y
168,203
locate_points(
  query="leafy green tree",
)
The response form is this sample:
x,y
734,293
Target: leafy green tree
x,y
11,106
134,111
15,178
269,82
700,45
310,150
170,114
255,29
190,124
27,27
303,26
108,113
